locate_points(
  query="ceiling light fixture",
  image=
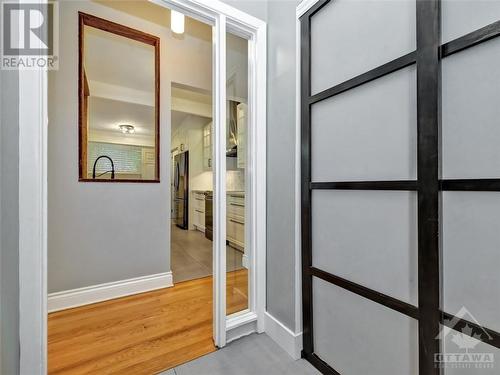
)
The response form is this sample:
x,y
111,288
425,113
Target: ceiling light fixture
x,y
177,22
127,129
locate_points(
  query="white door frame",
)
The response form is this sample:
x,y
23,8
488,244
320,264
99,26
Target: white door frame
x,y
33,123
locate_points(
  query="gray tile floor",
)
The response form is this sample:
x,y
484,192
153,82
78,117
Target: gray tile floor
x,y
191,255
251,355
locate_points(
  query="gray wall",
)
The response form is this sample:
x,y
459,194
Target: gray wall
x,y
256,8
9,224
281,65
98,232
281,140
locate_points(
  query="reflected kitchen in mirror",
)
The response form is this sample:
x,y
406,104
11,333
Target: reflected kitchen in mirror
x,y
118,103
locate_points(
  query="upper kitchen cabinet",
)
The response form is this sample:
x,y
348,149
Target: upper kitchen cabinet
x,y
242,135
207,146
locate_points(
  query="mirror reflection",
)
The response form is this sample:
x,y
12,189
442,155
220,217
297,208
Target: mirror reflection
x,y
118,103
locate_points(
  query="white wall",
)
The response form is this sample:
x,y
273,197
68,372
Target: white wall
x,y
101,232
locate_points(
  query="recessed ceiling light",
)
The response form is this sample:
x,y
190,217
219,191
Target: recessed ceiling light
x,y
177,22
127,129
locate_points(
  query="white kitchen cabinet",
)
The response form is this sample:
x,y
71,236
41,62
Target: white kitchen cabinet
x,y
148,163
235,222
198,204
242,134
236,207
207,146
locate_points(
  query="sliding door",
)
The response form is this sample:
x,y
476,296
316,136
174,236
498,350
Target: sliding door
x,y
239,176
470,200
380,225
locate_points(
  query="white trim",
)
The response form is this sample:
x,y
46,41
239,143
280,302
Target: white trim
x,y
241,330
241,318
219,183
33,221
102,292
298,188
304,6
289,341
259,192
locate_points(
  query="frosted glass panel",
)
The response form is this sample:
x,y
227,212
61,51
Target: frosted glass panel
x,y
453,343
349,38
471,131
357,336
368,237
460,17
471,255
368,133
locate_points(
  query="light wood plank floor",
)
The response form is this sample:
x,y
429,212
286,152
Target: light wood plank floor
x,y
142,334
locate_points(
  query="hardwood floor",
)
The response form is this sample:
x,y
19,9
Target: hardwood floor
x,y
142,334
236,291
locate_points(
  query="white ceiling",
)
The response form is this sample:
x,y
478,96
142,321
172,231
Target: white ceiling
x,y
121,76
116,60
191,93
107,115
159,15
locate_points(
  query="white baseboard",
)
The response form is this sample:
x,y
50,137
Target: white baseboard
x,y
244,261
289,341
102,292
242,330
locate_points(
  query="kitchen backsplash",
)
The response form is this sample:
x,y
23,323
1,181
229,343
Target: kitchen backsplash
x,y
235,180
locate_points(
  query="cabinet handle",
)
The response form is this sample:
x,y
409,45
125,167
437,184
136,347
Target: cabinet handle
x,y
201,212
209,162
237,204
236,221
200,199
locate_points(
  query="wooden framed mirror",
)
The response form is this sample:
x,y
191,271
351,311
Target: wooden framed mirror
x,y
119,96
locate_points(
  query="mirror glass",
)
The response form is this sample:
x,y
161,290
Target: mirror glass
x,y
238,251
118,103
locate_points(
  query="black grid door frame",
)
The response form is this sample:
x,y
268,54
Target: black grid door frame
x,y
428,186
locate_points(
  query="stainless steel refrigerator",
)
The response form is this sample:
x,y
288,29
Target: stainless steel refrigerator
x,y
181,189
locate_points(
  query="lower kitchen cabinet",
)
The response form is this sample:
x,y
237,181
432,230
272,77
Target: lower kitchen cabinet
x,y
199,210
235,232
235,220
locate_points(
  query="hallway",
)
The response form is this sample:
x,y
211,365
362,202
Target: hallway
x,y
239,358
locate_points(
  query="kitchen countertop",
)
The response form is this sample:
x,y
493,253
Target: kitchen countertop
x,y
231,192
236,193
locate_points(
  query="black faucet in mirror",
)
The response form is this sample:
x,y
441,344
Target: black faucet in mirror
x,y
112,167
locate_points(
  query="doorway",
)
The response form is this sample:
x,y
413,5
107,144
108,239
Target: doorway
x,y
33,299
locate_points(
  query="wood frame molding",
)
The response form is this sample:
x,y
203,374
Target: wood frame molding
x,y
85,19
